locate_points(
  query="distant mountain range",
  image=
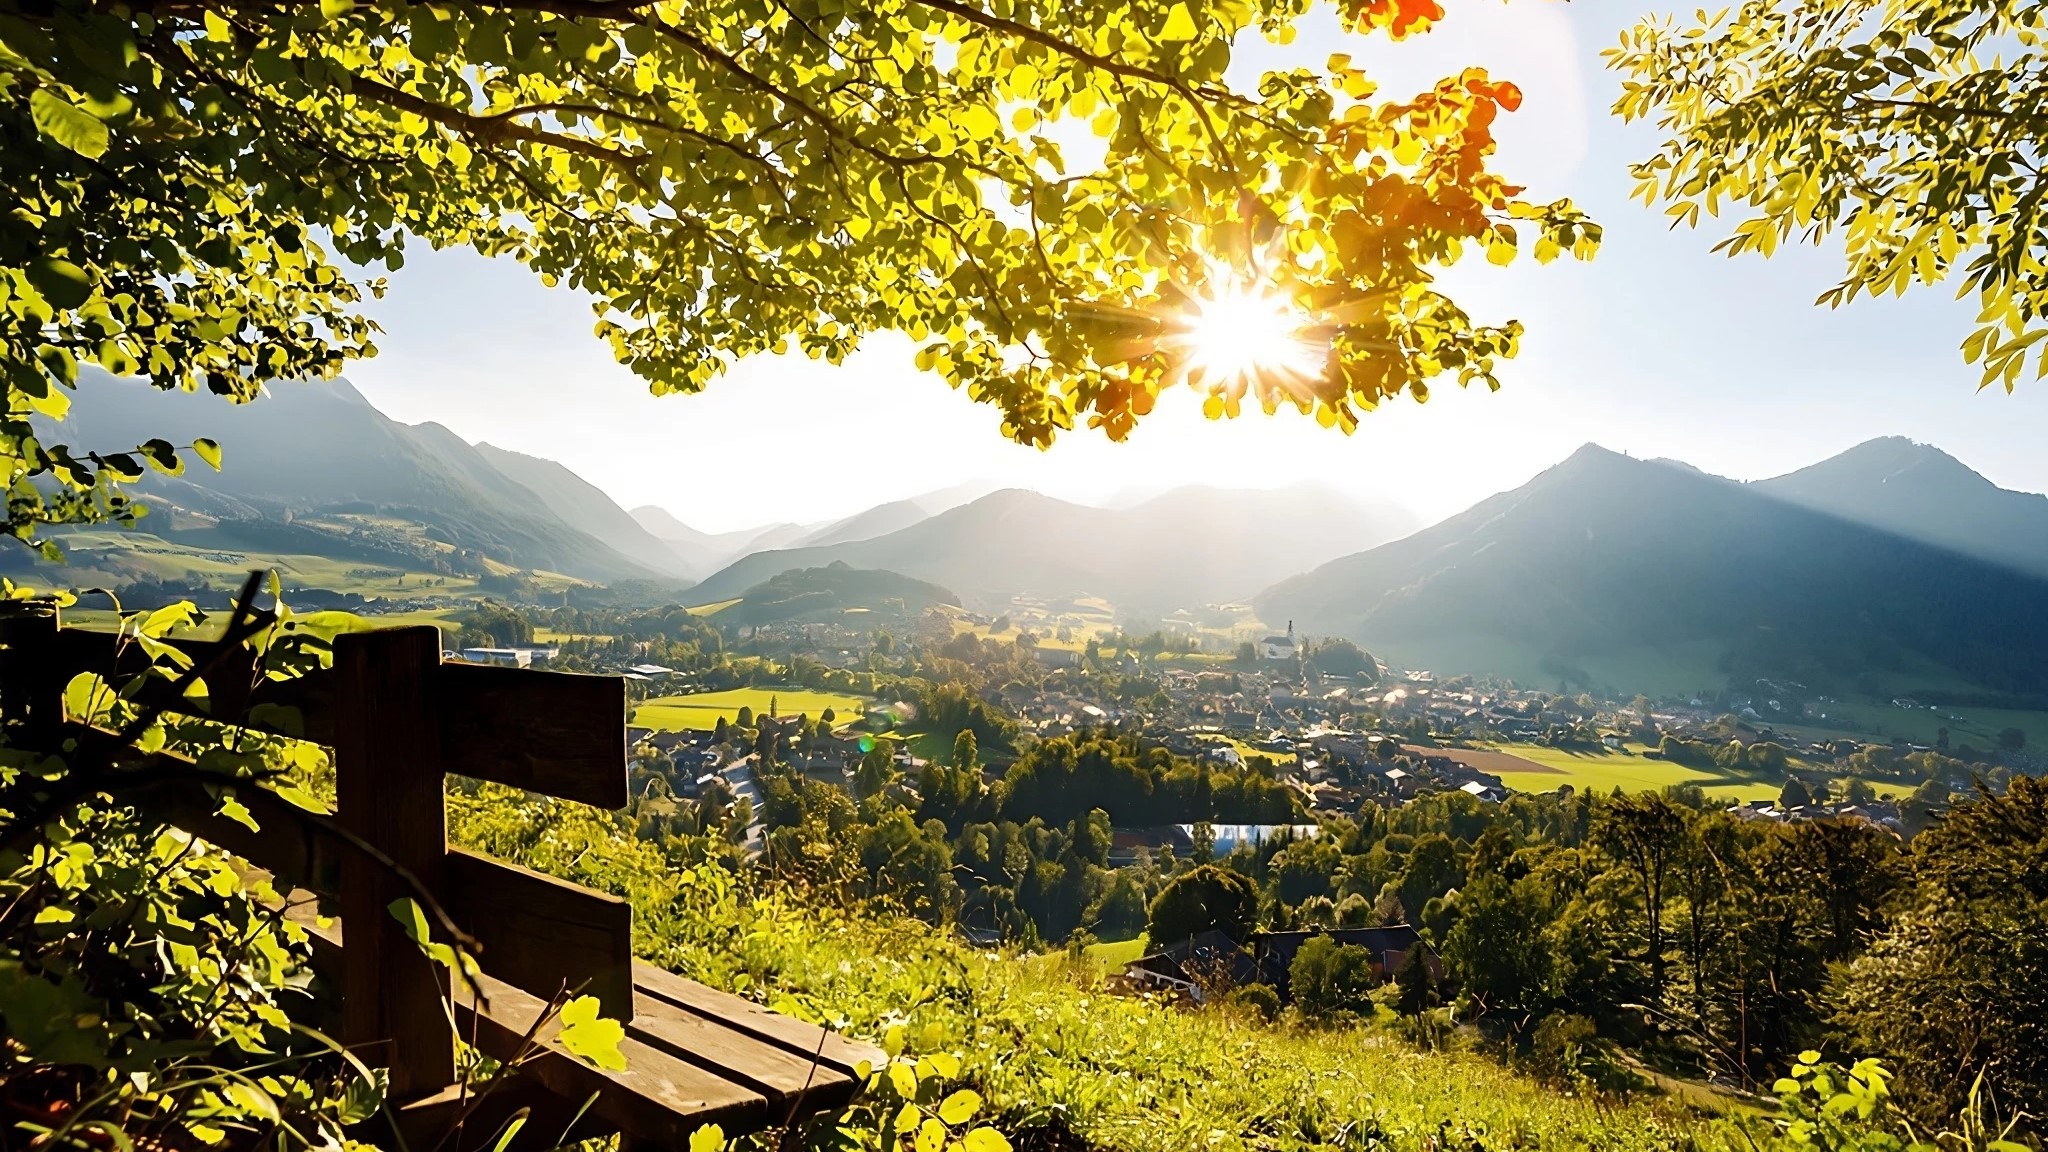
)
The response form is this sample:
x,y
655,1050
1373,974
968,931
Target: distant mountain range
x,y
314,468
1654,572
1187,548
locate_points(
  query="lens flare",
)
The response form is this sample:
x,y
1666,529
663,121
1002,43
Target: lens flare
x,y
1239,332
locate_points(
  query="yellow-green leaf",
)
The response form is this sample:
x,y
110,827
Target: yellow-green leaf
x,y
68,124
960,1107
594,1038
1180,24
986,1140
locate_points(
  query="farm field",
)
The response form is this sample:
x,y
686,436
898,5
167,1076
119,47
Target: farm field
x,y
1604,771
1628,770
1878,723
106,556
701,710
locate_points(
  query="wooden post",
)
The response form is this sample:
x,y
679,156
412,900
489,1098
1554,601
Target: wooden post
x,y
32,701
387,762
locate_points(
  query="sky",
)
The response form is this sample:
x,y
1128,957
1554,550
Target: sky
x,y
1658,347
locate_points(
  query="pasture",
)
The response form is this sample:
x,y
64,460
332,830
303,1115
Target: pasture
x,y
701,710
1603,770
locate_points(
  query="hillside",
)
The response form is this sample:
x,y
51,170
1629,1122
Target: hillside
x,y
1060,1061
313,468
1606,561
857,597
1919,491
1190,547
579,502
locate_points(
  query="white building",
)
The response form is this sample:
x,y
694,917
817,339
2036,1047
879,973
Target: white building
x,y
1278,647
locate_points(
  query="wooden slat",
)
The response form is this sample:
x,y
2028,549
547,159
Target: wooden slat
x,y
387,772
543,934
786,1080
785,1032
556,733
657,1098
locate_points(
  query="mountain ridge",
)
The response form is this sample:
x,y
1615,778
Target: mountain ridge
x,y
1602,555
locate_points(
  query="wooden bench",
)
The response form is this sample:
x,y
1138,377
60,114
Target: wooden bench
x,y
399,720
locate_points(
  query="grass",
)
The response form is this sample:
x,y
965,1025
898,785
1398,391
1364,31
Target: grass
x,y
110,556
1631,771
714,608
1114,954
701,710
1046,1042
1878,723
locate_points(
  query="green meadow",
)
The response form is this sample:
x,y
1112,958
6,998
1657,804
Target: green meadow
x,y
701,710
1631,771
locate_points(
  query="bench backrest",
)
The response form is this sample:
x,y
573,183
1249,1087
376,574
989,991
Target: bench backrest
x,y
398,719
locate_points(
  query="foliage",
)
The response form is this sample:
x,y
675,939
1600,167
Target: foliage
x,y
1205,898
1934,991
1260,1000
1909,130
196,184
1327,979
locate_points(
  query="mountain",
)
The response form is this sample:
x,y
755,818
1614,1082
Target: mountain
x,y
1918,490
710,551
880,520
1190,547
313,468
1613,563
579,502
858,597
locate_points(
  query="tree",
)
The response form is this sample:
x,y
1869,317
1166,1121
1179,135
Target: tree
x,y
1414,983
1645,833
1936,991
195,184
966,753
746,716
1794,794
1327,978
1200,899
1120,914
1496,950
1912,130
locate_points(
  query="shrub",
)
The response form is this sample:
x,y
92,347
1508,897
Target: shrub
x,y
1255,999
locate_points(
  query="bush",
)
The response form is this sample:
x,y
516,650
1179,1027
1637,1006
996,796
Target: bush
x,y
1257,1000
1328,978
1205,898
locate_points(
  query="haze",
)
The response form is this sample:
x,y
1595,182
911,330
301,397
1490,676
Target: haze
x,y
1658,348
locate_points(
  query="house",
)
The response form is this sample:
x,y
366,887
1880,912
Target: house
x,y
1195,966
1279,647
1273,952
1483,791
509,657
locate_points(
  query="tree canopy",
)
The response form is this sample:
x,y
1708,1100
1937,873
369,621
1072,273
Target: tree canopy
x,y
1911,130
204,190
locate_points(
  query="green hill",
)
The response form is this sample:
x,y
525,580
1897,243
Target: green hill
x,y
858,597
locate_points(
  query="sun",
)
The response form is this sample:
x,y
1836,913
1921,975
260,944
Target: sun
x,y
1236,332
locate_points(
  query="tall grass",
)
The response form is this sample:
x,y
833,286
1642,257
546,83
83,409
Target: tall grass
x,y
1057,1055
